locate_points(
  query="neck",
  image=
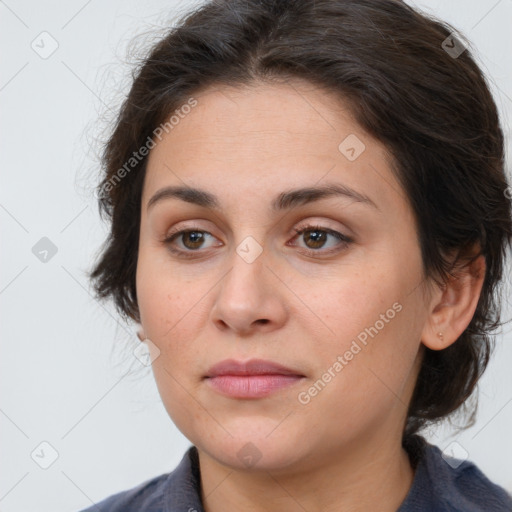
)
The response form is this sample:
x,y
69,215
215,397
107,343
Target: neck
x,y
353,479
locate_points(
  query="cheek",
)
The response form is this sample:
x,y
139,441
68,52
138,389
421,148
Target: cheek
x,y
348,304
373,323
165,297
168,306
172,312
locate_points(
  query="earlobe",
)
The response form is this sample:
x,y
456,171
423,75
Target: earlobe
x,y
140,334
453,307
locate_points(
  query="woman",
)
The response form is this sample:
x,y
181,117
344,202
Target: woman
x,y
309,221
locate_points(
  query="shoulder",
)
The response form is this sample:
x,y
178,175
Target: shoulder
x,y
452,485
165,492
147,496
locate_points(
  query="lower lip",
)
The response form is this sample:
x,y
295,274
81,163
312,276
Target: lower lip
x,y
251,386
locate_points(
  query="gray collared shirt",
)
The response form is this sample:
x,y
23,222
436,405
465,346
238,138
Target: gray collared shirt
x,y
439,485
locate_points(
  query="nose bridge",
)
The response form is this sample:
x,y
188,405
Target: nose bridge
x,y
245,280
246,296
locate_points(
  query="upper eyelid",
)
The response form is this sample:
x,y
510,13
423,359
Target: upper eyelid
x,y
297,231
301,224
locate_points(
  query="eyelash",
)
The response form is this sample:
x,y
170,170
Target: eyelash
x,y
346,241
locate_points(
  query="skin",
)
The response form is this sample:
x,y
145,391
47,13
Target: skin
x,y
341,450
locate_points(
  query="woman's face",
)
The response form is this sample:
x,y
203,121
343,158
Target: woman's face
x,y
345,315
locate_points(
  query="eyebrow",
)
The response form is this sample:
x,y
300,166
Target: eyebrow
x,y
283,201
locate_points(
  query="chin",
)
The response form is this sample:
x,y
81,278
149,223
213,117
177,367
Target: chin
x,y
250,450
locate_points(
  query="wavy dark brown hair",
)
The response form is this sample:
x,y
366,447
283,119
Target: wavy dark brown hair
x,y
432,110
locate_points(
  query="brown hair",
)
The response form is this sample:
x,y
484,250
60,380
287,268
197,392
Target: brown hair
x,y
431,107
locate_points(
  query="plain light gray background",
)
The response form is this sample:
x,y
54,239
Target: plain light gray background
x,y
67,374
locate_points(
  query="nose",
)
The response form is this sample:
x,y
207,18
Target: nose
x,y
249,297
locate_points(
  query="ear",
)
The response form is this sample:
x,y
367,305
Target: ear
x,y
452,307
140,333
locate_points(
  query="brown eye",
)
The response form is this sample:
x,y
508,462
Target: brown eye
x,y
188,242
316,237
192,239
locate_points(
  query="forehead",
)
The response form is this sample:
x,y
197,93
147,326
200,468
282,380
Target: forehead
x,y
287,113
265,138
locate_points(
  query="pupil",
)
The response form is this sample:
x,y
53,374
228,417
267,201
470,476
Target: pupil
x,y
195,237
318,236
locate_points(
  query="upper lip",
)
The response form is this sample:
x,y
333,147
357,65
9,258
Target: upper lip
x,y
251,367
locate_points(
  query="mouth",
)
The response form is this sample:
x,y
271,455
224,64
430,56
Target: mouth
x,y
255,378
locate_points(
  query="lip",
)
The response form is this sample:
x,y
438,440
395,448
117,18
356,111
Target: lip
x,y
251,367
255,378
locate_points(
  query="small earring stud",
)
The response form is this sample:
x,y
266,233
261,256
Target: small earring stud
x,y
441,336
